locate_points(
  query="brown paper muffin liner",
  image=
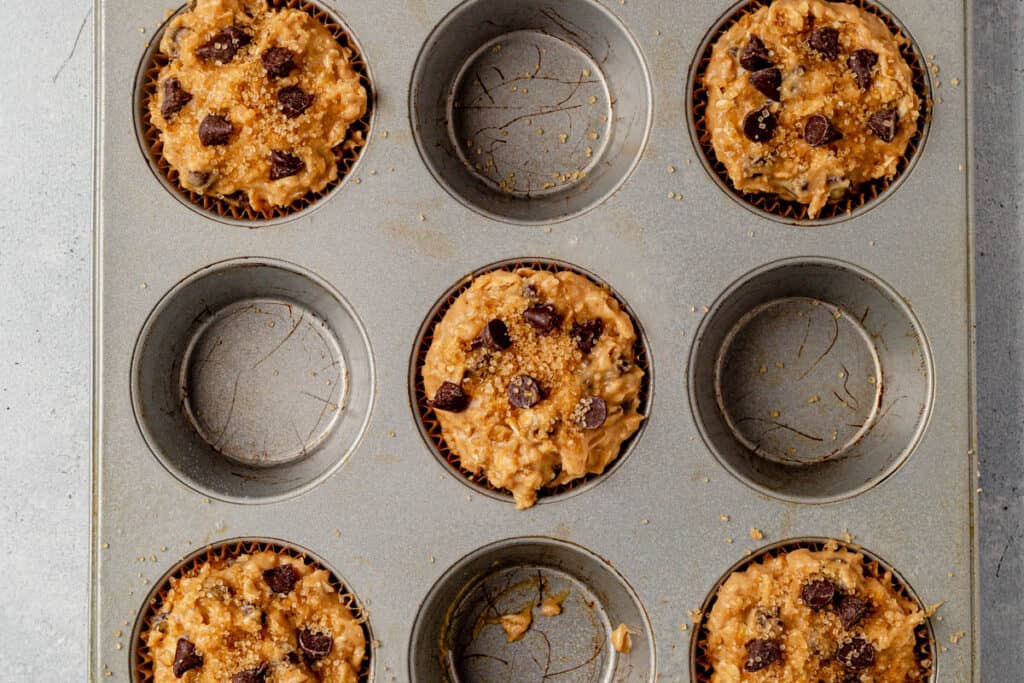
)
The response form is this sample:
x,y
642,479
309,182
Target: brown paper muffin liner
x,y
236,206
857,197
429,417
700,661
142,663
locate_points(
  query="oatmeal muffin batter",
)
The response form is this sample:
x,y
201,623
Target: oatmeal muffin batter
x,y
807,99
812,617
254,100
533,378
256,618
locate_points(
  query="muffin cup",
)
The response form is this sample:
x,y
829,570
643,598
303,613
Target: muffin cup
x,y
456,638
141,665
874,567
235,208
858,199
430,426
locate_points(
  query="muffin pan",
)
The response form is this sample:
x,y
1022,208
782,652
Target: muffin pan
x,y
262,384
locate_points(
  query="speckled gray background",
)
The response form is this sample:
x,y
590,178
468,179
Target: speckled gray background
x,y
46,84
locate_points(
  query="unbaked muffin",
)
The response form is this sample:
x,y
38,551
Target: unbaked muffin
x,y
253,619
813,616
254,100
808,99
533,378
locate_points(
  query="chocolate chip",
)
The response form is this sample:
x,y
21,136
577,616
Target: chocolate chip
x,y
283,165
856,654
759,125
215,130
544,319
761,653
767,82
590,413
175,98
768,620
281,579
278,61
200,180
755,55
818,131
852,609
315,645
293,101
818,593
185,658
524,392
494,336
257,675
224,45
825,41
861,62
586,334
883,124
450,397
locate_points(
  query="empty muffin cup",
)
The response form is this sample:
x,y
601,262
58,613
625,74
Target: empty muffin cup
x,y
858,199
252,380
530,609
236,209
701,667
221,553
811,380
430,426
530,112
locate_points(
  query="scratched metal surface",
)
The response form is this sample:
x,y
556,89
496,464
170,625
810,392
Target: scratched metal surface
x,y
659,254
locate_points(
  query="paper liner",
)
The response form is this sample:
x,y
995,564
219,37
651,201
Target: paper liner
x,y
858,196
700,662
236,206
429,417
142,664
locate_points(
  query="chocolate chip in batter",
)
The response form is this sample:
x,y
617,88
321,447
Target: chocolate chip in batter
x,y
767,82
494,336
755,55
293,101
185,658
200,180
852,609
281,579
215,130
450,397
818,593
278,61
761,653
175,98
224,45
524,391
759,125
819,131
544,319
883,124
586,334
590,413
315,645
856,654
257,675
283,165
825,41
861,62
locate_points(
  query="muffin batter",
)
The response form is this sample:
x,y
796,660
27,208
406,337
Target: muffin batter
x,y
254,100
257,617
812,617
533,379
807,99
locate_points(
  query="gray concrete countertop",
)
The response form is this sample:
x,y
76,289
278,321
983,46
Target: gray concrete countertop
x,y
46,85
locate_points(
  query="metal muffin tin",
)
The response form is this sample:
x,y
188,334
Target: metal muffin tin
x,y
718,290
